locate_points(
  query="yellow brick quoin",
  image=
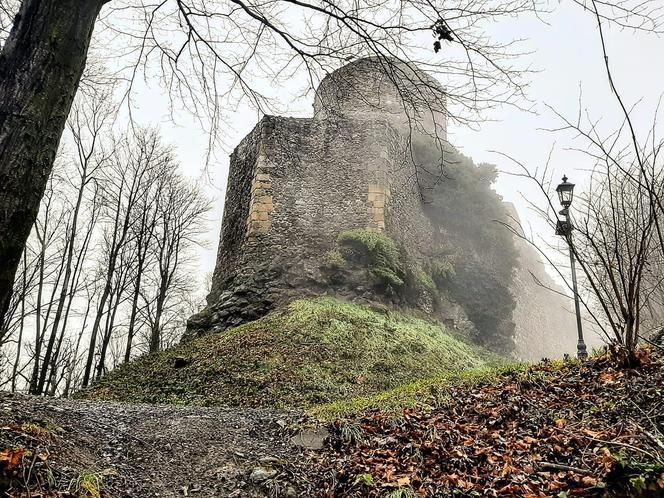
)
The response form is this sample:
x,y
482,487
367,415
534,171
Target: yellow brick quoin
x,y
377,196
261,207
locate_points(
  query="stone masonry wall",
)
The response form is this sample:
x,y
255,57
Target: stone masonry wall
x,y
236,211
372,88
294,185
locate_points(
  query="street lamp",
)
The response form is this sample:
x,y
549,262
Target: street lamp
x,y
564,227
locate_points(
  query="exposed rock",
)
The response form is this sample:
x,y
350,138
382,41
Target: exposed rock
x,y
271,461
260,474
311,439
180,362
290,492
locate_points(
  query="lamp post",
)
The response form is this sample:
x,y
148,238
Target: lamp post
x,y
564,227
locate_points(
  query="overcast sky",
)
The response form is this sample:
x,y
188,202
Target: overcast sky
x,y
566,54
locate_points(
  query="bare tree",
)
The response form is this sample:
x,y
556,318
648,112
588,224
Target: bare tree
x,y
52,248
612,237
119,287
125,202
79,283
89,118
143,237
125,184
145,225
180,209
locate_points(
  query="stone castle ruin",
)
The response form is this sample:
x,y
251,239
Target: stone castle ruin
x,y
295,184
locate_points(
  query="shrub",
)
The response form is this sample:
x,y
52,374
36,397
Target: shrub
x,y
334,260
421,280
377,251
442,272
375,248
387,277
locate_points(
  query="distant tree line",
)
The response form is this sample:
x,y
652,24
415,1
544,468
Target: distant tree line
x,y
463,207
104,275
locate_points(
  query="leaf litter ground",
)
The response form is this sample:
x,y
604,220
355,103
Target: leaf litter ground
x,y
552,430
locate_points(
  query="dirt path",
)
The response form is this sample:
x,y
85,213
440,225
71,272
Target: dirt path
x,y
160,451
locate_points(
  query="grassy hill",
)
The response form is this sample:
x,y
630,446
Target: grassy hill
x,y
314,351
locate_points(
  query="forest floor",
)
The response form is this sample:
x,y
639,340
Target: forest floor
x,y
558,429
72,448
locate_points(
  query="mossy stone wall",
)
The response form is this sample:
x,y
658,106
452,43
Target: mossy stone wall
x,y
294,185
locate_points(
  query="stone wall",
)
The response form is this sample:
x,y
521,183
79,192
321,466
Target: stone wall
x,y
544,315
236,211
294,186
391,90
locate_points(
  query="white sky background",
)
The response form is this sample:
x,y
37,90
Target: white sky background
x,y
566,52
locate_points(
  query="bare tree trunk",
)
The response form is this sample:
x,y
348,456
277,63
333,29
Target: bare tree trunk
x,y
134,310
110,271
143,239
38,311
113,304
19,341
155,333
74,361
69,256
95,331
77,272
41,64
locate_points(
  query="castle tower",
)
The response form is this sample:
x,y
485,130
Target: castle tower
x,y
295,184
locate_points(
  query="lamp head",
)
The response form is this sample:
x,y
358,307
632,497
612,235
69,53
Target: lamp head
x,y
565,192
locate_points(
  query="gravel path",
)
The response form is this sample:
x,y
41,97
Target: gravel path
x,y
163,451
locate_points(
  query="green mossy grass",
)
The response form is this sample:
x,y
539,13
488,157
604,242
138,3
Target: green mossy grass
x,y
425,393
312,352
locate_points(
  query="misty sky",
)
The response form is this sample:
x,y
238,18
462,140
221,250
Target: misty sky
x,y
565,53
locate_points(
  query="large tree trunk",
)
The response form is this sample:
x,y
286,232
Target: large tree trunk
x,y
40,67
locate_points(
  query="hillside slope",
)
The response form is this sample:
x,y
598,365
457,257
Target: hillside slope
x,y
313,351
550,430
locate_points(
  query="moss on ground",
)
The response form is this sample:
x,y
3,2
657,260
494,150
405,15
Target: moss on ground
x,y
425,394
311,352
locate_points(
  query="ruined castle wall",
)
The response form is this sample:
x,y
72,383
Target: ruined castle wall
x,y
320,187
324,178
294,185
404,214
544,316
236,211
368,89
545,322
